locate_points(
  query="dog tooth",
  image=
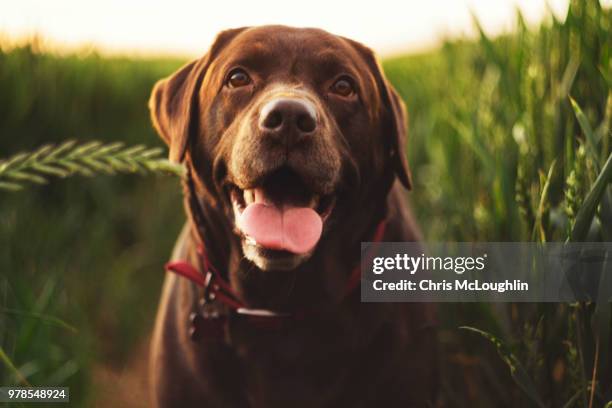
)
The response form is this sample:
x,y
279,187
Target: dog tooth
x,y
314,201
249,197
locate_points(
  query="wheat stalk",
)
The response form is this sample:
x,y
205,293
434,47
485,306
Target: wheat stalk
x,y
576,185
87,159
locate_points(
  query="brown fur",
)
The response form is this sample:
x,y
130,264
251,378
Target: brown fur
x,y
355,354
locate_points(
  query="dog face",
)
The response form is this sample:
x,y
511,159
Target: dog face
x,y
283,127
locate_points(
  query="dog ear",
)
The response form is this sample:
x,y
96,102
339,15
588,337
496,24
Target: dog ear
x,y
174,101
171,106
394,116
399,135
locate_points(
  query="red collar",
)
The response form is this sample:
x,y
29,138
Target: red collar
x,y
209,321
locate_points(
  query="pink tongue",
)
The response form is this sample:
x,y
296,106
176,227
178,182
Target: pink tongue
x,y
293,229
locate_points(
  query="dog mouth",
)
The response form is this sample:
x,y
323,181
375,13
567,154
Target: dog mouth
x,y
281,215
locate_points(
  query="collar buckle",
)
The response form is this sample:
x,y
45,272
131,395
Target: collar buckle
x,y
207,325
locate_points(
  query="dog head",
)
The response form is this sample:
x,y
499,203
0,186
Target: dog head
x,y
284,128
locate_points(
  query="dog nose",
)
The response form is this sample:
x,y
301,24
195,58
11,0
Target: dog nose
x,y
288,116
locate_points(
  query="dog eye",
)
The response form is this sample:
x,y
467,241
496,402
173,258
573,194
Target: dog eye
x,y
343,86
238,78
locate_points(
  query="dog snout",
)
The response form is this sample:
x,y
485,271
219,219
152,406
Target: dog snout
x,y
288,119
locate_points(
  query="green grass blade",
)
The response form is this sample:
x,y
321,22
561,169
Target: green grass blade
x,y
488,44
586,129
603,130
569,75
11,367
572,401
468,137
587,210
605,73
517,371
52,320
538,229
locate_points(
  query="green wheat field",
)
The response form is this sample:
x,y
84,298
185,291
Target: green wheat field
x,y
510,140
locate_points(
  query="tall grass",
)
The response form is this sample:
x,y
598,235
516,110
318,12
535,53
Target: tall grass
x,y
74,254
509,141
510,138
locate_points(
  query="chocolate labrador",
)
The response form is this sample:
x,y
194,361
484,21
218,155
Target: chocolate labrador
x,y
294,146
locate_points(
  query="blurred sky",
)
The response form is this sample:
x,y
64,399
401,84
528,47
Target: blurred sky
x,y
186,27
